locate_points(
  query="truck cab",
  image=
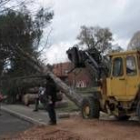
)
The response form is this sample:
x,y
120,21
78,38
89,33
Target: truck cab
x,y
123,83
124,80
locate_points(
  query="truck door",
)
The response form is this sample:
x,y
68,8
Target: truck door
x,y
131,76
118,88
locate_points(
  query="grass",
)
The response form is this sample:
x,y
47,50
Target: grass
x,y
86,90
70,108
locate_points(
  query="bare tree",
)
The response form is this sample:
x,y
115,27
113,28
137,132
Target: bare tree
x,y
95,37
3,2
134,42
116,48
12,4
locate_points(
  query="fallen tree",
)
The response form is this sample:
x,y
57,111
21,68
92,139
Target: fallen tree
x,y
44,70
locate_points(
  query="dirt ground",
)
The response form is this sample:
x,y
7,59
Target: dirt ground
x,y
78,129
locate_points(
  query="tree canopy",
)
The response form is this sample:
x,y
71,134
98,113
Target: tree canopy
x,y
20,29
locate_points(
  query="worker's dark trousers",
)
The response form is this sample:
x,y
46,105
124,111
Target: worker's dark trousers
x,y
36,103
51,111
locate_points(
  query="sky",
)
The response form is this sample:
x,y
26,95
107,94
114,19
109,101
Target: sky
x,y
120,16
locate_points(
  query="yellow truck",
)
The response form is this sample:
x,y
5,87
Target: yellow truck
x,y
117,83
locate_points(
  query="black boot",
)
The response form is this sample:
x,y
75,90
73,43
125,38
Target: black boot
x,y
52,123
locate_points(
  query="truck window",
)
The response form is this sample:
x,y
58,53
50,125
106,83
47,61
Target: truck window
x,y
131,65
118,67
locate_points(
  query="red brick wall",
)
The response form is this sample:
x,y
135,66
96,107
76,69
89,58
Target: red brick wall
x,y
78,78
61,69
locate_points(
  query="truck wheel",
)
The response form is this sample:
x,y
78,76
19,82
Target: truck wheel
x,y
123,118
90,108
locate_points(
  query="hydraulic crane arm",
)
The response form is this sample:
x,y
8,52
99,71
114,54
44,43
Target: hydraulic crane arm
x,y
90,59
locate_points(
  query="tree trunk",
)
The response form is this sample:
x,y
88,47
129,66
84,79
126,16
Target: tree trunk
x,y
42,69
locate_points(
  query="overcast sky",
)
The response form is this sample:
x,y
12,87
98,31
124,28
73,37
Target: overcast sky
x,y
121,16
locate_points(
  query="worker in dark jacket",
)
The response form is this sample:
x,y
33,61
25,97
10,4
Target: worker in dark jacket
x,y
50,94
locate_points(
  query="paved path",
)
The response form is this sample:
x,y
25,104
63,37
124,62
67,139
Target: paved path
x,y
10,124
26,113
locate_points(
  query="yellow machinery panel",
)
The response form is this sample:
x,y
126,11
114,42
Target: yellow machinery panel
x,y
124,81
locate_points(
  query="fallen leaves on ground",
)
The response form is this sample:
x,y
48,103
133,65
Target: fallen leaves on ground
x,y
79,129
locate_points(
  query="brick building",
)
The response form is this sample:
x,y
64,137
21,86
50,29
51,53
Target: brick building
x,y
79,77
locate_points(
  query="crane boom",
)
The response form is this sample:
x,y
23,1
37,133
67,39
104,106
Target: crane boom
x,y
90,59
